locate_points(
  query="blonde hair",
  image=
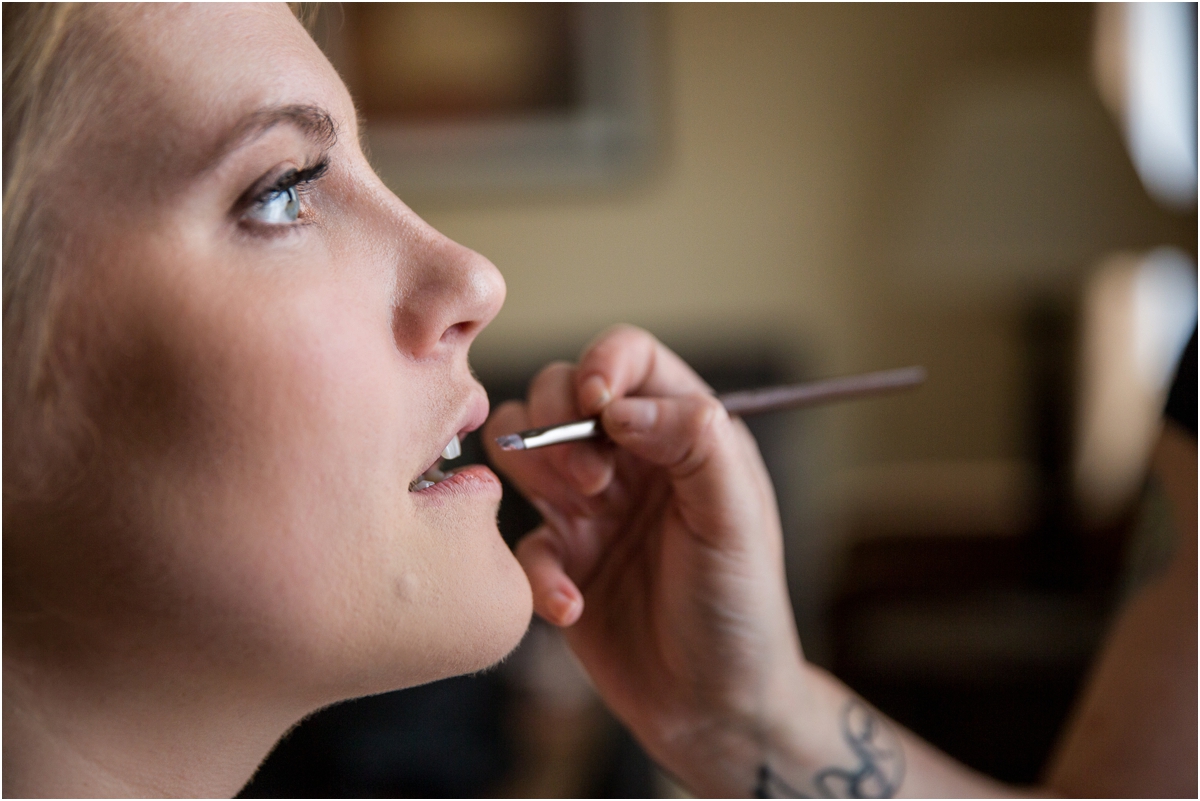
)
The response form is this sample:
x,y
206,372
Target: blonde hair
x,y
55,57
44,61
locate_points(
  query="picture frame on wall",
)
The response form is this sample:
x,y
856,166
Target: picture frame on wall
x,y
477,98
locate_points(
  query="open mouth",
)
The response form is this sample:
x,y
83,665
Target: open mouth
x,y
435,473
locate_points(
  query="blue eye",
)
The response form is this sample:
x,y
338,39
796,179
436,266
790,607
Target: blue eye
x,y
277,207
279,203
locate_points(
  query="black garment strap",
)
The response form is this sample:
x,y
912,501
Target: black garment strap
x,y
1181,403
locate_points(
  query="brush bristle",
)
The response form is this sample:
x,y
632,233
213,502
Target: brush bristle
x,y
511,442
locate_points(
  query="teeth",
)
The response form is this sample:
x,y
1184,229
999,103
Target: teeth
x,y
435,474
431,476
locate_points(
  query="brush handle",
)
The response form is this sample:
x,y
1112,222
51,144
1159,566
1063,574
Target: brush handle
x,y
811,393
749,401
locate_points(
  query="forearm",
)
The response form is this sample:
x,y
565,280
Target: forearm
x,y
1134,733
826,742
843,747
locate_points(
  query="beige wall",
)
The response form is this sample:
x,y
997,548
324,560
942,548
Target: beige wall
x,y
789,136
858,187
793,203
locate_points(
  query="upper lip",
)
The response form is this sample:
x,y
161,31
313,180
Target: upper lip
x,y
474,413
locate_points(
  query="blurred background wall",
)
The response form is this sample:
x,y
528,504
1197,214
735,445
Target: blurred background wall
x,y
835,188
855,187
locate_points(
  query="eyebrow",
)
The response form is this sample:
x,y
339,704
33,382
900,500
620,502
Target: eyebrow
x,y
313,121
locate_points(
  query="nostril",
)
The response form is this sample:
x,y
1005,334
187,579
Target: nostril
x,y
459,331
451,294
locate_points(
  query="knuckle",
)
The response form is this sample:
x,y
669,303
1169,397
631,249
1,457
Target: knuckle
x,y
620,331
510,408
540,546
703,416
641,339
549,377
632,332
619,338
701,421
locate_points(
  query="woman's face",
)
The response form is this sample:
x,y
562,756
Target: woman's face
x,y
270,348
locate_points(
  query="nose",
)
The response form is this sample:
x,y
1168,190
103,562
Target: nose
x,y
446,295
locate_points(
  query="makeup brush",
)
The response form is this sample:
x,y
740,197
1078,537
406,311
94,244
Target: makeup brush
x,y
749,401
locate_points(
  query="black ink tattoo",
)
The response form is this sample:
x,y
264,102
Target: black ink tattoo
x,y
878,775
771,786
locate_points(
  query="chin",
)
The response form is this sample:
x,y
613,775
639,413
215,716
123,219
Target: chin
x,y
494,621
478,613
510,628
486,599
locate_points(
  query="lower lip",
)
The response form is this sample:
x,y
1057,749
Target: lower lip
x,y
473,480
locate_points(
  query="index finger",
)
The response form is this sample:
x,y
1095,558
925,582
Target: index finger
x,y
626,360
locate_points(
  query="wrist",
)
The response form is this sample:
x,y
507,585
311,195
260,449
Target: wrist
x,y
721,753
835,746
808,738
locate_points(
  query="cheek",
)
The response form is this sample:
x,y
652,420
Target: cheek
x,y
317,416
260,446
367,580
407,591
253,448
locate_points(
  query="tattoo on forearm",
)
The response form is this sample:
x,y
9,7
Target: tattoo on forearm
x,y
771,786
878,774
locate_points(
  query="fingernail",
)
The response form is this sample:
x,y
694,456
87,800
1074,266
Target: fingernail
x,y
561,605
583,465
594,394
592,471
634,414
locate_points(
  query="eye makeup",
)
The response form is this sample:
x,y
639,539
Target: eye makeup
x,y
298,178
261,204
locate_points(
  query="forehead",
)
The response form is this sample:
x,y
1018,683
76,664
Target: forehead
x,y
189,75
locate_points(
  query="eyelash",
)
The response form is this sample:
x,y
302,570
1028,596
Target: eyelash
x,y
302,180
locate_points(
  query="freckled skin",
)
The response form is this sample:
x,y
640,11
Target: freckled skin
x,y
258,404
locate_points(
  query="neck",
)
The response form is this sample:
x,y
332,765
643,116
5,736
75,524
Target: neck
x,y
127,738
